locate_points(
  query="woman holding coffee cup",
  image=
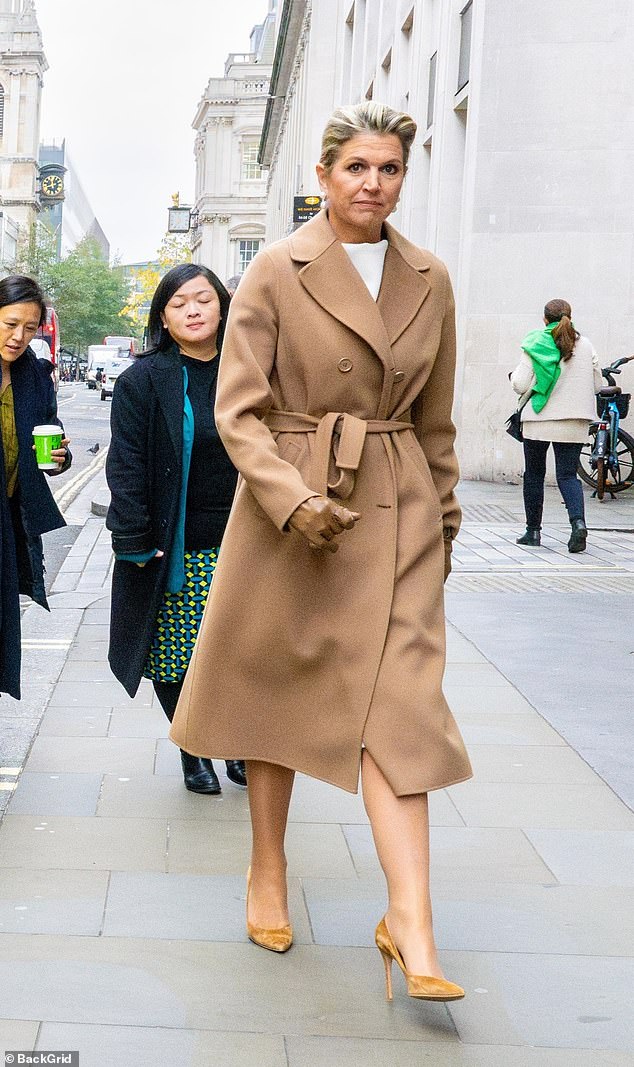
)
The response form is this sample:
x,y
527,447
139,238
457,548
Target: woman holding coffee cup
x,y
172,486
28,414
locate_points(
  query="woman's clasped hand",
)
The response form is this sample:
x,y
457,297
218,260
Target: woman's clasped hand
x,y
320,520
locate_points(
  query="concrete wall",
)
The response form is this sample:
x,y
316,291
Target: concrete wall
x,y
521,183
550,208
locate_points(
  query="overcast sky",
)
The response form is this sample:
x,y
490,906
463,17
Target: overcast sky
x,y
123,84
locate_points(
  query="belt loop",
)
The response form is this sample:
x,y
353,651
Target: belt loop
x,y
321,456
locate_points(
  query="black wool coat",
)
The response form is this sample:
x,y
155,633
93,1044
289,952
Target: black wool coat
x,y
31,513
143,469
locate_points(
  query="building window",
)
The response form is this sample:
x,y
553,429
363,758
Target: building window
x,y
246,251
251,169
431,92
1,110
466,19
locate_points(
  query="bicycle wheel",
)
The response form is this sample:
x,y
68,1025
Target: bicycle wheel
x,y
615,480
600,472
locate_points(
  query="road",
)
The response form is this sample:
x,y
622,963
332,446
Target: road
x,y
86,420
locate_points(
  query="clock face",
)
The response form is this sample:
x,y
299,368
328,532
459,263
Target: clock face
x,y
52,185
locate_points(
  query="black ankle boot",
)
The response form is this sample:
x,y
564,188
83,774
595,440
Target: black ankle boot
x,y
199,775
236,772
578,537
531,537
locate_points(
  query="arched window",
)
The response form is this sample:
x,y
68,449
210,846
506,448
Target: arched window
x,y
1,110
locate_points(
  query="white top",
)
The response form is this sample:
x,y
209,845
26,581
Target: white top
x,y
571,405
369,260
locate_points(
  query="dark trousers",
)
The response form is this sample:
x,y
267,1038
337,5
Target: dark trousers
x,y
566,460
168,694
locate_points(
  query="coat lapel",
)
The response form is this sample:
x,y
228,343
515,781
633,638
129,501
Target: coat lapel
x,y
404,287
331,279
168,383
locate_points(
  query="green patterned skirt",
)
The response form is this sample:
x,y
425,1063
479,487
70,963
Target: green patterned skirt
x,y
179,618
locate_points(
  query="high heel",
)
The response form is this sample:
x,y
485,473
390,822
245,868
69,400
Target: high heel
x,y
279,940
419,986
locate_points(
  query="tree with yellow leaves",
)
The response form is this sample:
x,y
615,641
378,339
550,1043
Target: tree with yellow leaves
x,y
143,281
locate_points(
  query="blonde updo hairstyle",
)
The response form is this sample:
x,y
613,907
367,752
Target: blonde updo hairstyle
x,y
368,117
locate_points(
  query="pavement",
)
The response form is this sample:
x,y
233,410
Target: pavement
x,y
122,895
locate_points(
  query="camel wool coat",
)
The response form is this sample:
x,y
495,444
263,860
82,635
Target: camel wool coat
x,y
305,656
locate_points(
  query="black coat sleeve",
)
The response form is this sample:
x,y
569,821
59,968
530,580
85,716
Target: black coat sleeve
x,y
127,468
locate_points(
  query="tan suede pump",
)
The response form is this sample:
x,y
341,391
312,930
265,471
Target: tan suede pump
x,y
419,986
279,940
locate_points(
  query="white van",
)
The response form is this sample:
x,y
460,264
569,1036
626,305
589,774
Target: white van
x,y
98,356
113,368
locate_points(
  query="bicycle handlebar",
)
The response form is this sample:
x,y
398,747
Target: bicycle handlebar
x,y
607,372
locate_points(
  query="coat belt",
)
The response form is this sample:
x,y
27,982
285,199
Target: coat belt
x,y
338,435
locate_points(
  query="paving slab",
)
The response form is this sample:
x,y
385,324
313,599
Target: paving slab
x,y
486,700
587,857
542,807
96,694
543,1000
88,670
484,918
207,847
192,985
69,843
56,794
139,722
52,901
142,1046
75,722
150,905
538,764
154,797
506,729
308,1051
110,755
17,1034
463,853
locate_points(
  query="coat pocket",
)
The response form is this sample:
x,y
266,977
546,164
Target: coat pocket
x,y
419,460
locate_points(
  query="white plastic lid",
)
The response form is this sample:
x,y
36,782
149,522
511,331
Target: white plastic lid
x,y
46,431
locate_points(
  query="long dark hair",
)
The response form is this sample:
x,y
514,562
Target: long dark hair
x,y
159,338
564,335
18,289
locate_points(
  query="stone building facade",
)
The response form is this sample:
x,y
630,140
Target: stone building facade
x,y
230,197
22,67
519,178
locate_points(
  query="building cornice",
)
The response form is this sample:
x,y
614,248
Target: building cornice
x,y
290,32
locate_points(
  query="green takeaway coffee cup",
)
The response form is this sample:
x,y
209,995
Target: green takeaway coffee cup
x,y
46,438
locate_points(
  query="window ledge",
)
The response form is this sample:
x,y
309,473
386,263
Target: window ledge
x,y
461,99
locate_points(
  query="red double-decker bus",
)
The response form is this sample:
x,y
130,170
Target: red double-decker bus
x,y
49,332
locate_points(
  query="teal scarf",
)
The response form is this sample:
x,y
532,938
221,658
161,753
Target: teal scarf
x,y
546,359
176,562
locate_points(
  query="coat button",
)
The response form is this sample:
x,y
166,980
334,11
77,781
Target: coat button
x,y
168,471
163,524
345,365
399,375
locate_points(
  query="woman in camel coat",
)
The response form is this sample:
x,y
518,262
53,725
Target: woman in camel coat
x,y
336,409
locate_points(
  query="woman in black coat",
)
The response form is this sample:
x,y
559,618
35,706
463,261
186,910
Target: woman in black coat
x,y
27,507
172,485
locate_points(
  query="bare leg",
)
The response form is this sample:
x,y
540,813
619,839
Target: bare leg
x,y
400,827
270,789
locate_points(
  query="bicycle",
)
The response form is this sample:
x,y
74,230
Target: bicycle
x,y
606,463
